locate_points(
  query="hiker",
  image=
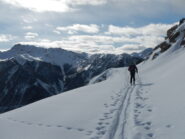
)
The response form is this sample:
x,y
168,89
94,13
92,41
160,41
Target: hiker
x,y
132,69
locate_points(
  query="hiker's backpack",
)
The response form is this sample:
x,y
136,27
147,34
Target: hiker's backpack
x,y
131,68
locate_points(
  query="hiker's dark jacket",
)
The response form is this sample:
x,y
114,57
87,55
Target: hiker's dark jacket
x,y
132,69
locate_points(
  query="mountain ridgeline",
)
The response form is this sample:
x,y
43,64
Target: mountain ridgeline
x,y
29,73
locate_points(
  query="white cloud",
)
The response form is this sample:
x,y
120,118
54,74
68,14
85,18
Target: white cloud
x,y
130,48
57,32
92,28
147,41
6,38
41,5
115,42
27,27
29,19
86,2
151,30
31,35
53,5
93,38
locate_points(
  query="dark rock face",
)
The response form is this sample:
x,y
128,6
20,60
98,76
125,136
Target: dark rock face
x,y
172,36
163,46
24,84
170,31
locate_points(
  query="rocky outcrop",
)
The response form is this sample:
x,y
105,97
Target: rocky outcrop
x,y
174,34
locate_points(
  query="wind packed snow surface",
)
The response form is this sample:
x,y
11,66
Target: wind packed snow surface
x,y
112,109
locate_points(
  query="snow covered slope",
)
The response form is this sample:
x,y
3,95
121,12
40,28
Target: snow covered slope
x,y
81,113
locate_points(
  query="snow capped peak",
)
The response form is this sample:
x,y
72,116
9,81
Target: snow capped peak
x,y
23,58
56,56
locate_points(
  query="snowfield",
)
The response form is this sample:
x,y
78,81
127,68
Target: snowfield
x,y
112,109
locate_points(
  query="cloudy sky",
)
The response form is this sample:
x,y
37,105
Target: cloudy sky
x,y
106,26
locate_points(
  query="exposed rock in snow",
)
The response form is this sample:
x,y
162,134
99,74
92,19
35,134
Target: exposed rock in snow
x,y
175,38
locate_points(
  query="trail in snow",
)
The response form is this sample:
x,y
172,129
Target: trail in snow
x,y
118,126
28,123
112,124
117,130
132,108
139,123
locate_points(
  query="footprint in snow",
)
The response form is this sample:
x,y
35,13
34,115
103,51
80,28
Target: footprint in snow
x,y
148,123
100,128
168,126
138,123
101,132
69,128
100,123
139,105
106,105
150,135
114,104
149,110
147,128
106,113
80,129
59,126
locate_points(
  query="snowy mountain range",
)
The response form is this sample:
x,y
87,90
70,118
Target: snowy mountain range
x,y
29,73
109,107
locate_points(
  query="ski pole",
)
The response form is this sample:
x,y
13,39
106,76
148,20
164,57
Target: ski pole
x,y
138,77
